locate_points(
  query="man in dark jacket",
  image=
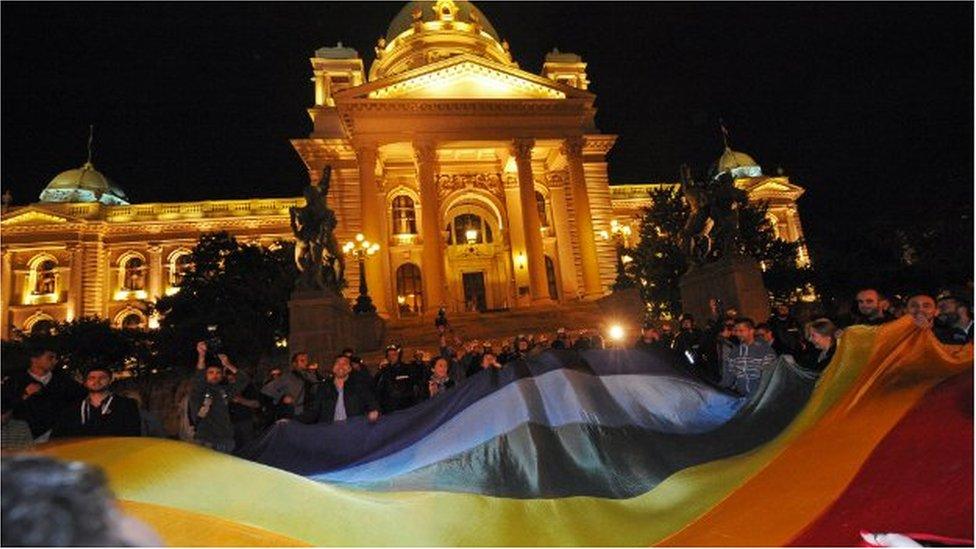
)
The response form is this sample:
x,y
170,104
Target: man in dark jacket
x,y
41,392
688,342
713,344
954,323
100,414
870,308
244,409
340,398
398,385
209,400
360,375
650,338
787,335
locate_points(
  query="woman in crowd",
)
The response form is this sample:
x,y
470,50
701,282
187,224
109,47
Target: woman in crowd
x,y
439,380
821,333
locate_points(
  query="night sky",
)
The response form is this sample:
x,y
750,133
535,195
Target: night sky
x,y
868,106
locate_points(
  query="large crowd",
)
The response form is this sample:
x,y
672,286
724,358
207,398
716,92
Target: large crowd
x,y
223,408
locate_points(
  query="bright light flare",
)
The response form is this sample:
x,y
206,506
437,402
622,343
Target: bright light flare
x,y
616,332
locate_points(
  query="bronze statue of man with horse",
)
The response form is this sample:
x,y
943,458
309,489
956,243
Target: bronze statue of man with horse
x,y
317,255
712,229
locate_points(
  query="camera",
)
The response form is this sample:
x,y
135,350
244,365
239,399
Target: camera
x,y
214,343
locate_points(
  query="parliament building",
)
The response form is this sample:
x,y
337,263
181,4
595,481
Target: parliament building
x,y
485,185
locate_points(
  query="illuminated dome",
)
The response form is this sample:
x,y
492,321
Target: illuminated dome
x,y
426,32
84,184
739,163
404,20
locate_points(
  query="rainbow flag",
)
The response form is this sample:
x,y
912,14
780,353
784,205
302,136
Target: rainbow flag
x,y
595,448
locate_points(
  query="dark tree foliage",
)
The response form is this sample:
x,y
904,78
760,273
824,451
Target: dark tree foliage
x,y
899,253
659,260
781,275
83,343
242,290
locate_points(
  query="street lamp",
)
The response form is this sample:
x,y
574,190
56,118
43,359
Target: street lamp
x,y
360,250
621,235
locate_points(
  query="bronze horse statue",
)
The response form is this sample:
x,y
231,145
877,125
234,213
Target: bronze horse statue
x,y
712,229
317,253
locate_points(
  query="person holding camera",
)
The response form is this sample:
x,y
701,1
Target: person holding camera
x,y
340,398
209,401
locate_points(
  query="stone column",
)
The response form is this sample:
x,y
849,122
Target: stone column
x,y
434,275
389,305
94,296
534,252
156,284
372,215
573,149
564,242
77,253
516,240
322,91
6,287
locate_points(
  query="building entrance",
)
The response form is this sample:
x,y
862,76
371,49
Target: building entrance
x,y
474,291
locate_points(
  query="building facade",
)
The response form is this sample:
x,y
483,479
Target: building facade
x,y
485,185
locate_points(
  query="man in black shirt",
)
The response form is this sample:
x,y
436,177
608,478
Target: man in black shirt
x,y
243,409
688,341
650,338
360,374
954,324
870,308
100,414
398,386
41,392
787,334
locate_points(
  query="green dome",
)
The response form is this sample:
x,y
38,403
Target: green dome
x,y
84,184
739,163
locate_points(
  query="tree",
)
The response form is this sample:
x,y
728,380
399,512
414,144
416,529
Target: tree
x,y
899,253
240,290
86,342
660,261
783,278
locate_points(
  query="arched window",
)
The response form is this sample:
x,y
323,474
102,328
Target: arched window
x,y
180,266
404,215
132,321
551,279
410,300
134,274
44,326
46,277
540,203
469,229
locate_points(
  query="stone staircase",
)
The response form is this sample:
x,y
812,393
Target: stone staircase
x,y
420,333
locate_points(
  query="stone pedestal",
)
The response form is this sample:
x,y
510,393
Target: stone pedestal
x,y
736,281
322,324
